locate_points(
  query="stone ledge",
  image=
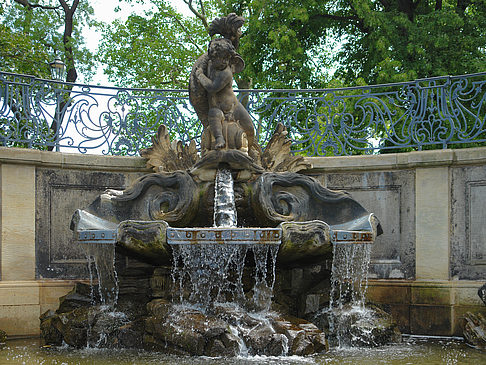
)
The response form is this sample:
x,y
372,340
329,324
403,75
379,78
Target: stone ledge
x,y
394,161
72,160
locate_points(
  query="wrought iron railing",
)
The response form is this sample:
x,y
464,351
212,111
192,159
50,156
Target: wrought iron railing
x,y
439,112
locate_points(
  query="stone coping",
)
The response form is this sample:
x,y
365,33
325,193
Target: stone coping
x,y
66,160
392,161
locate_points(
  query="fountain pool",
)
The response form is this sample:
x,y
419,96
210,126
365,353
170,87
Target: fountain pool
x,y
411,351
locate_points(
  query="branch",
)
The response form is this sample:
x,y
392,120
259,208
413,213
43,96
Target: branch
x,y
33,6
196,13
187,32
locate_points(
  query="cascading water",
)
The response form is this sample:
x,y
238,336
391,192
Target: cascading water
x,y
101,266
224,200
349,282
212,272
103,257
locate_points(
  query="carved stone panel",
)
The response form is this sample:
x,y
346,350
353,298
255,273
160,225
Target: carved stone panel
x,y
58,194
468,223
390,195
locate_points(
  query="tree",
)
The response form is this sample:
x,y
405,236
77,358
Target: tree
x,y
30,35
387,41
156,49
39,24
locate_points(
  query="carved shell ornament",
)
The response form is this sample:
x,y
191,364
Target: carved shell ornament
x,y
169,156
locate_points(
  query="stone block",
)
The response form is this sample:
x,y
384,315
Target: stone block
x,y
20,320
432,320
468,231
17,229
18,293
388,293
390,196
49,293
59,194
432,223
466,293
401,315
431,294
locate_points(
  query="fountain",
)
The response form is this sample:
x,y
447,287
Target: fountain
x,y
188,257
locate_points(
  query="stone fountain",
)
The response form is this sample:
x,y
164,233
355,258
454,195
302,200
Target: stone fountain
x,y
210,231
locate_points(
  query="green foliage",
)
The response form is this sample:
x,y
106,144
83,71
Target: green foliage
x,y
156,49
42,30
400,41
19,54
282,42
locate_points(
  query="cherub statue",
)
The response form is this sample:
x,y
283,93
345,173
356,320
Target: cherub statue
x,y
226,122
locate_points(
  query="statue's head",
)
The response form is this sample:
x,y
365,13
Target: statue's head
x,y
223,54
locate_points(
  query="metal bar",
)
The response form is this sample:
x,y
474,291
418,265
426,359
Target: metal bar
x,y
241,236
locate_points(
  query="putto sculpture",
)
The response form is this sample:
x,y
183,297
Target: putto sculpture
x,y
226,122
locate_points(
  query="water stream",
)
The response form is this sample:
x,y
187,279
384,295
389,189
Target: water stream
x,y
211,273
349,282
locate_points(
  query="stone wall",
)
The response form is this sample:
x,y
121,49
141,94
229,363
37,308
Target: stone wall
x,y
426,267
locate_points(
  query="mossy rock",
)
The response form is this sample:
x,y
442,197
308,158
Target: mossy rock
x,y
3,336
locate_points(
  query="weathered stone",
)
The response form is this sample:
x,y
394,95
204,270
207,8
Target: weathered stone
x,y
144,240
130,335
161,283
291,197
482,293
82,295
168,156
74,326
301,345
475,330
368,327
304,242
105,327
257,339
304,337
50,329
3,336
277,156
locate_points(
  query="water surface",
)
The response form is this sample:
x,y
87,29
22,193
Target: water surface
x,y
410,351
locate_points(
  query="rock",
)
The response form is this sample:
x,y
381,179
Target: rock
x,y
49,328
304,338
161,283
82,295
130,335
355,326
105,327
475,330
74,326
482,293
189,330
3,336
257,339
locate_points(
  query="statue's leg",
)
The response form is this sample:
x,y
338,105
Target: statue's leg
x,y
216,117
241,115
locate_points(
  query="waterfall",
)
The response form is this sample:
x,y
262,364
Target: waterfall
x,y
224,200
211,272
103,257
349,282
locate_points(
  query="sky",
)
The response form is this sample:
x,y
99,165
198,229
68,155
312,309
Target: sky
x,y
104,10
